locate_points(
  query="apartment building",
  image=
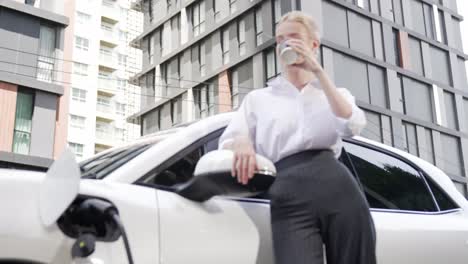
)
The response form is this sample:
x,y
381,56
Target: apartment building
x,y
402,59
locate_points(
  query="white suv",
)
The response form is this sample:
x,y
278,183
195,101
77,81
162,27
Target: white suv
x,y
419,215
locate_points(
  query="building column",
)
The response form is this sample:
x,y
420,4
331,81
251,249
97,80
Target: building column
x,y
224,93
43,125
8,93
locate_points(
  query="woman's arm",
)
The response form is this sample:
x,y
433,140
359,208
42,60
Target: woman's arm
x,y
239,137
350,118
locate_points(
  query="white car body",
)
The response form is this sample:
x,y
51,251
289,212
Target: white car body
x,y
164,227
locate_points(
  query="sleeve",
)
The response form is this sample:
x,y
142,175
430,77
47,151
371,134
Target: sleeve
x,y
352,126
242,124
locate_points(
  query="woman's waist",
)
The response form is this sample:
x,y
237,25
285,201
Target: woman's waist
x,y
311,157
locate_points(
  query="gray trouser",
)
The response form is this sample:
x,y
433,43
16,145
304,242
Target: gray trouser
x,y
319,203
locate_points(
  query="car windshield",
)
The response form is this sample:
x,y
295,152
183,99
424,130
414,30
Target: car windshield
x,y
100,166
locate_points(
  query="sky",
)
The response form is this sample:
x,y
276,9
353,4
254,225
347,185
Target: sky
x,y
463,10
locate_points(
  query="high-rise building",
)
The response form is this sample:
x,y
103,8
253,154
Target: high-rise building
x,y
402,59
102,62
33,98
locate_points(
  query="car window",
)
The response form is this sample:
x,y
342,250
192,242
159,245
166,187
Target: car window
x,y
102,166
179,168
388,182
179,172
443,200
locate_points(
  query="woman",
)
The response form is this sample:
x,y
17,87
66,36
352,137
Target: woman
x,y
301,116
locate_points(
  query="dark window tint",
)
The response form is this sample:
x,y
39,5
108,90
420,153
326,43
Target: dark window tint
x,y
212,144
388,182
444,202
179,169
179,172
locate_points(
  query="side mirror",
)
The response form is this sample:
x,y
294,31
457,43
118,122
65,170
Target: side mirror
x,y
212,177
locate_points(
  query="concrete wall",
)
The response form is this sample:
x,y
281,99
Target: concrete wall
x,y
43,125
8,93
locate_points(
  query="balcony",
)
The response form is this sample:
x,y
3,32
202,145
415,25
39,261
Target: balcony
x,y
105,111
107,85
104,137
108,61
109,36
110,11
107,134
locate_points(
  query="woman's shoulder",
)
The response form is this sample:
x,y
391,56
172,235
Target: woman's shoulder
x,y
258,92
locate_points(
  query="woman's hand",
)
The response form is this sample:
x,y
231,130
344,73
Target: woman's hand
x,y
244,162
308,60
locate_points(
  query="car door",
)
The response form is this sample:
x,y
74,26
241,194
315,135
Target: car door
x,y
412,226
220,230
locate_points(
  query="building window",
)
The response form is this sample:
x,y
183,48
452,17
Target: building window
x,y
176,110
416,55
335,24
151,49
198,17
123,13
202,59
225,45
107,28
82,18
162,33
169,4
76,148
451,111
277,10
396,47
120,109
241,37
410,139
78,95
151,8
417,99
23,121
453,159
216,11
119,134
80,69
258,26
440,58
164,84
235,98
122,59
151,122
45,61
104,104
204,101
232,6
121,84
77,121
429,21
81,43
270,63
360,33
122,35
441,31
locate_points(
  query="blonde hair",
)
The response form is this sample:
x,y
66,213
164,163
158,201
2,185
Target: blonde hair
x,y
304,19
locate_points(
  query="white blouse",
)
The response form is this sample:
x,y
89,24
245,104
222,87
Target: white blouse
x,y
281,120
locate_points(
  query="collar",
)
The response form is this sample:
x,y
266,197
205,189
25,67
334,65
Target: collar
x,y
282,85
